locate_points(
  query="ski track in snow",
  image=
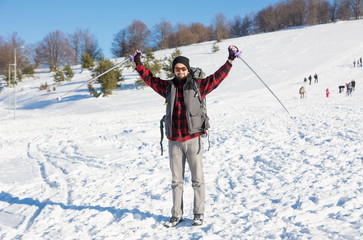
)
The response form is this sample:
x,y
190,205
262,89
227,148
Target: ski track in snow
x,y
99,174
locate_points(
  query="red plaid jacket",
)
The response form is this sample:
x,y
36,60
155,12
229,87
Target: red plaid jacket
x,y
179,120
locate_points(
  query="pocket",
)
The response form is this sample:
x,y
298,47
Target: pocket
x,y
195,123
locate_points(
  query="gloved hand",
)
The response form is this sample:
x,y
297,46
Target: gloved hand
x,y
136,57
233,52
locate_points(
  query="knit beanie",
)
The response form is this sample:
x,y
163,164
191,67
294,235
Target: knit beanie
x,y
183,60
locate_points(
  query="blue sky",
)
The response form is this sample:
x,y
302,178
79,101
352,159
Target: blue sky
x,y
34,19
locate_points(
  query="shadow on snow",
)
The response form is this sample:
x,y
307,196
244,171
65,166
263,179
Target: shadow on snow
x,y
72,98
116,212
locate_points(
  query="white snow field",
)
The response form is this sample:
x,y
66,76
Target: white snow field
x,y
91,168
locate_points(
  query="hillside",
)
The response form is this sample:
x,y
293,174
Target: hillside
x,y
90,168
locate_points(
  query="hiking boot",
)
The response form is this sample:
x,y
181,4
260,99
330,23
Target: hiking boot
x,y
173,222
198,219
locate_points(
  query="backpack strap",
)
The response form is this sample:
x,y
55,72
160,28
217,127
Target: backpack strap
x,y
162,121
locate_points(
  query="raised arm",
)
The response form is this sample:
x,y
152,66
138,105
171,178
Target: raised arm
x,y
155,83
211,82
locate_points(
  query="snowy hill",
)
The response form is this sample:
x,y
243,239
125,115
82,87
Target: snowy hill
x,y
87,168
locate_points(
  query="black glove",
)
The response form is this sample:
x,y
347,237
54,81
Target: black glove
x,y
232,54
136,57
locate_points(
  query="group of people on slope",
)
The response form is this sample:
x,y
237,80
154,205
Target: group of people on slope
x,y
357,63
311,78
350,87
302,90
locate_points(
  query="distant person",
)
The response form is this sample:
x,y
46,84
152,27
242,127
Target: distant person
x,y
354,63
302,92
305,80
349,88
353,85
310,80
341,88
316,78
327,92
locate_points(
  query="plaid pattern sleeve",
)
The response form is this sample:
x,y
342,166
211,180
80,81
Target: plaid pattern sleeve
x,y
155,83
211,82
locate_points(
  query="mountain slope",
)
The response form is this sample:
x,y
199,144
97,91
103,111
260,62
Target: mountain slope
x,y
87,168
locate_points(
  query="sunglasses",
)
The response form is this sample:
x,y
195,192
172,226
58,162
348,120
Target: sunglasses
x,y
178,69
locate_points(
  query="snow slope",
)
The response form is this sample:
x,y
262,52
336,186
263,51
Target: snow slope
x,y
87,168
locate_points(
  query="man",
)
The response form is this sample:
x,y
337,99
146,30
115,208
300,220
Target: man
x,y
185,123
315,78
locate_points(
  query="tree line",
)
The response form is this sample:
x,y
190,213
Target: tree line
x,y
59,49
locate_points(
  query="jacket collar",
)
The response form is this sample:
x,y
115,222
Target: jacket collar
x,y
183,82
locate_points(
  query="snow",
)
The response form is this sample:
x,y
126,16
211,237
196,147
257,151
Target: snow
x,y
90,168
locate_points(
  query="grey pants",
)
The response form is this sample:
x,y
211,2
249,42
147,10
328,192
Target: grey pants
x,y
192,152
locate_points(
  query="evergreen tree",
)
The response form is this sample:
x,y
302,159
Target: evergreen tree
x,y
43,86
19,77
68,72
169,63
110,80
215,47
87,61
93,91
28,71
9,79
59,76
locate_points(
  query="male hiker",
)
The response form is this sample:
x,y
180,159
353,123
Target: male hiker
x,y
185,123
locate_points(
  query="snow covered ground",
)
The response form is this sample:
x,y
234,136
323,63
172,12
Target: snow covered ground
x,y
87,168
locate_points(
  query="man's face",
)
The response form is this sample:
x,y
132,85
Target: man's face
x,y
180,71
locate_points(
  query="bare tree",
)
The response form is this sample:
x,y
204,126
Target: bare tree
x,y
135,36
4,56
221,27
120,44
161,32
90,45
266,20
312,11
82,41
334,10
236,26
323,11
356,6
138,35
7,52
183,35
296,12
54,50
75,40
200,32
343,12
246,28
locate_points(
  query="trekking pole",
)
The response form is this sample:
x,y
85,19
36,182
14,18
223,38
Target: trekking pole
x,y
267,88
92,79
